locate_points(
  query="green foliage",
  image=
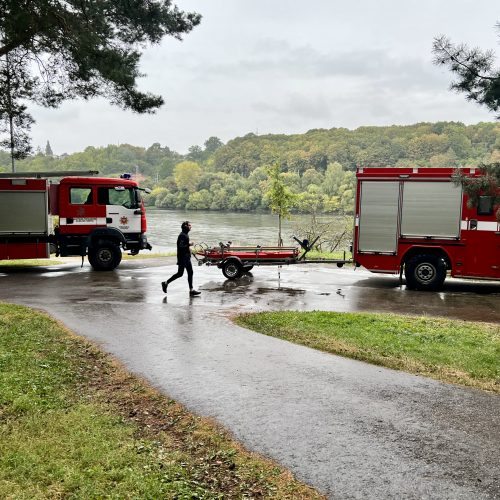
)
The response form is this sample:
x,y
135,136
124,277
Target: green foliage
x,y
52,50
486,185
187,175
234,177
89,48
477,77
414,145
279,197
16,85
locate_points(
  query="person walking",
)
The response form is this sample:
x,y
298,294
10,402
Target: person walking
x,y
183,260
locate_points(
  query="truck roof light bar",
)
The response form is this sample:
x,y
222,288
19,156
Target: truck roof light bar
x,y
43,175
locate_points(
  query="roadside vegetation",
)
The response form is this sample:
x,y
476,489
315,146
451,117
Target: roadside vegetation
x,y
317,167
148,255
74,424
459,352
30,262
313,254
340,255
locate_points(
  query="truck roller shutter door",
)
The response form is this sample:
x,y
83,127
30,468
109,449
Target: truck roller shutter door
x,y
23,212
431,209
378,220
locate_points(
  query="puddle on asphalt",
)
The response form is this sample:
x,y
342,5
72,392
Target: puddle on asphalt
x,y
287,291
54,274
244,286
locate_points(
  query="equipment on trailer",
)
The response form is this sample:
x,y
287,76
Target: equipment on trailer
x,y
234,261
418,220
97,217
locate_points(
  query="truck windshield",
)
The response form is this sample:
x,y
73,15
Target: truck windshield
x,y
110,196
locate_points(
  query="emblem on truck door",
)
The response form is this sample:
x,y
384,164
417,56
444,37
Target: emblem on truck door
x,y
123,220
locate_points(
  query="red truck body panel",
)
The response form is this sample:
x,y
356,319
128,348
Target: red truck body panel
x,y
29,220
468,239
97,216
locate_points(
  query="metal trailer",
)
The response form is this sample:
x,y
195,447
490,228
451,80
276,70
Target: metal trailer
x,y
237,260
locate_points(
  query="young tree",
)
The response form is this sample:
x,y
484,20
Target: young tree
x,y
281,199
477,77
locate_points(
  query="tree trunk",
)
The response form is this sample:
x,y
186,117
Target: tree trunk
x,y
11,121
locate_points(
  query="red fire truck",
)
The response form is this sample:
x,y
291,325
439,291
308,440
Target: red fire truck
x,y
418,220
98,217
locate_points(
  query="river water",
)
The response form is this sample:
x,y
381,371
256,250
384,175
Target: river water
x,y
213,227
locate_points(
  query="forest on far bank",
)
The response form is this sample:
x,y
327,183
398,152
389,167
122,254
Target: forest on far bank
x,y
318,166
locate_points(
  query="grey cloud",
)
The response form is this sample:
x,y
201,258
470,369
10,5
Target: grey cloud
x,y
298,106
277,59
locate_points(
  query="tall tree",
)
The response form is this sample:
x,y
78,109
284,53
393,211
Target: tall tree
x,y
212,144
15,121
477,77
48,149
195,153
86,48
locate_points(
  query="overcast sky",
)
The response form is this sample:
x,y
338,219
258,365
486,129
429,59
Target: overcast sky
x,y
287,66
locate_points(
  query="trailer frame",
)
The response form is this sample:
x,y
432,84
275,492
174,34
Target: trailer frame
x,y
238,260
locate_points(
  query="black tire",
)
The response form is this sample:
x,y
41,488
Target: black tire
x,y
247,269
232,269
105,256
425,272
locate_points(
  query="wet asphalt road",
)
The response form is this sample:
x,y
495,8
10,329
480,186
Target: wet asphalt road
x,y
350,429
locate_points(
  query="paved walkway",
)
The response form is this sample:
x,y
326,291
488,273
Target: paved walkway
x,y
350,429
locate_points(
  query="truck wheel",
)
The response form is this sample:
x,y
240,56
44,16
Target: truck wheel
x,y
425,272
105,256
232,269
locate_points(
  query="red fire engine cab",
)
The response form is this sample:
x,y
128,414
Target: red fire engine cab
x,y
97,217
418,220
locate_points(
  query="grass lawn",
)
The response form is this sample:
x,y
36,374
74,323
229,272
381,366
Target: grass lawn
x,y
65,260
453,351
340,255
147,255
74,424
30,262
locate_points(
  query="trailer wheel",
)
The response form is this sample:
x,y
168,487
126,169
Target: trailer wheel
x,y
232,269
105,256
425,272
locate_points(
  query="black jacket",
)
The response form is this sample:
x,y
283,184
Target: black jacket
x,y
183,251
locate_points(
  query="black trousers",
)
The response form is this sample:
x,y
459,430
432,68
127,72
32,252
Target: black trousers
x,y
186,264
